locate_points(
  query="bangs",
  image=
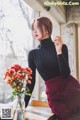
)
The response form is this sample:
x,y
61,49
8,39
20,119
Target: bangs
x,y
32,24
43,22
39,25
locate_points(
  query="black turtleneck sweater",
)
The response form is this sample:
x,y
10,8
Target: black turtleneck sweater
x,y
49,65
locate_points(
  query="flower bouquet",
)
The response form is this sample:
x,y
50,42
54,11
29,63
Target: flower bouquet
x,y
18,78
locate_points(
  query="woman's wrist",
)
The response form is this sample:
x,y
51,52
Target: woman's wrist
x,y
59,52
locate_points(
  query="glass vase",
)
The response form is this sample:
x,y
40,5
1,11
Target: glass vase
x,y
19,113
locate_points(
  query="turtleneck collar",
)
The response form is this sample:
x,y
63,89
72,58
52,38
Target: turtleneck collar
x,y
46,42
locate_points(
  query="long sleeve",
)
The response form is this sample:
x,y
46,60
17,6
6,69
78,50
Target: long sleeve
x,y
32,66
63,62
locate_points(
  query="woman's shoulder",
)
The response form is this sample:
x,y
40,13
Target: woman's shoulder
x,y
33,51
31,54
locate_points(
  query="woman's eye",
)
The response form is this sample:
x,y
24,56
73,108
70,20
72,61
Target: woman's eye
x,y
33,29
37,28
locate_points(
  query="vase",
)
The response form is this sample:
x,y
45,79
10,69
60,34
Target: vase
x,y
19,113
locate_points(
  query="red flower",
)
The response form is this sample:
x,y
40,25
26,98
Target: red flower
x,y
28,70
16,67
29,76
9,82
16,75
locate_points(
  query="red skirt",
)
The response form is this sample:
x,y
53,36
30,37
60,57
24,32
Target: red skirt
x,y
64,97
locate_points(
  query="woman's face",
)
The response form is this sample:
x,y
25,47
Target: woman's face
x,y
36,33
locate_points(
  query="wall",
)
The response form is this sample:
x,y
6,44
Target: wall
x,y
73,14
68,33
79,48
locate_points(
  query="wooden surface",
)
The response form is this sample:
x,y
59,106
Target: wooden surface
x,y
39,103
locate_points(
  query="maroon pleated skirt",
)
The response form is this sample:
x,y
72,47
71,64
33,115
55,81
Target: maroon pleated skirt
x,y
64,97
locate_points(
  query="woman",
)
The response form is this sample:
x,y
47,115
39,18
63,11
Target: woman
x,y
51,61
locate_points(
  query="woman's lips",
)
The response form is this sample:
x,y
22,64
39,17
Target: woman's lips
x,y
36,35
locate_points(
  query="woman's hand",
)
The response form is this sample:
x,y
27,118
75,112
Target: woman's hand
x,y
58,45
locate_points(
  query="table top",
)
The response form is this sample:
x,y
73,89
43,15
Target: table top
x,y
37,113
34,113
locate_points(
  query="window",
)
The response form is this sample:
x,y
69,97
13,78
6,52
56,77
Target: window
x,y
15,38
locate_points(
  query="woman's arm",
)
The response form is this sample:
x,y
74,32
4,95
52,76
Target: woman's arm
x,y
32,66
63,62
62,53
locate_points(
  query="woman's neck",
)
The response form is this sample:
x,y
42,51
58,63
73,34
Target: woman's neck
x,y
45,37
46,42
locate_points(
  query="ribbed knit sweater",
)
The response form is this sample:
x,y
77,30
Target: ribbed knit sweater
x,y
49,65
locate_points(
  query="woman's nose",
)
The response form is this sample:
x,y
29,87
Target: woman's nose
x,y
35,31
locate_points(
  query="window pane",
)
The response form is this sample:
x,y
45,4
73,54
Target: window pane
x,y
15,38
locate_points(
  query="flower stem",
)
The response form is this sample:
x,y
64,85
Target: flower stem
x,y
15,111
20,104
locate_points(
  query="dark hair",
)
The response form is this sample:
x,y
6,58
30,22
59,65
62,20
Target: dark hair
x,y
43,21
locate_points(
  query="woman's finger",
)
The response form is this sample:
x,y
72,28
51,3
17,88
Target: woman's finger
x,y
57,41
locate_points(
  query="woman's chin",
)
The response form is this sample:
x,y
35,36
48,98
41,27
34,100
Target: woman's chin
x,y
38,39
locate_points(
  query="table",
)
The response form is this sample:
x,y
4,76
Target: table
x,y
37,113
34,113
